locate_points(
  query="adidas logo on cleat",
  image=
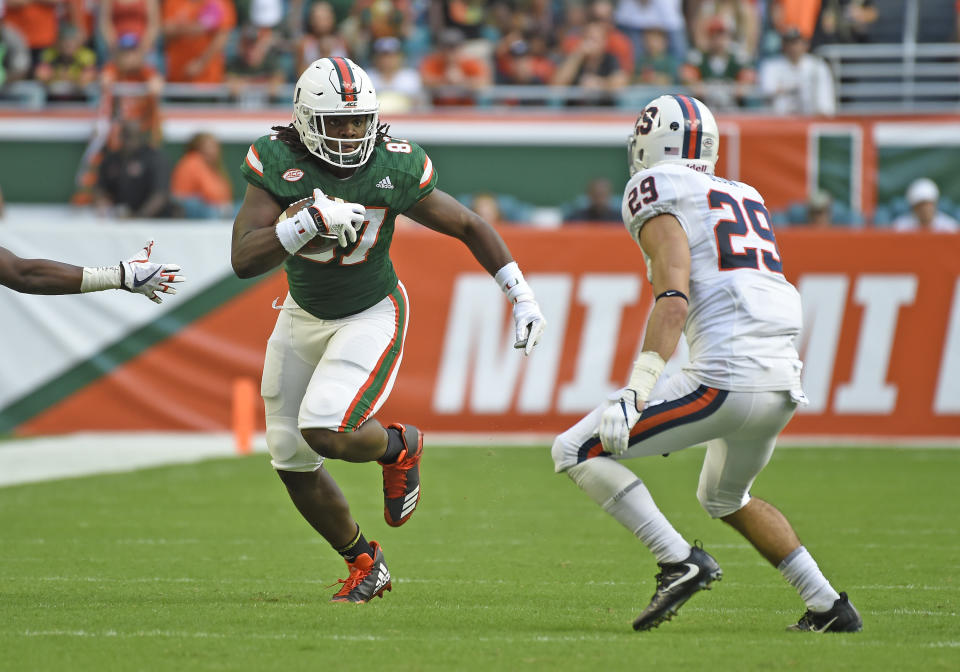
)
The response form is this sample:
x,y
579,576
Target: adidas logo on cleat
x,y
385,183
383,577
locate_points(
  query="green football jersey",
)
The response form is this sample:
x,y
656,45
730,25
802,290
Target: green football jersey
x,y
345,280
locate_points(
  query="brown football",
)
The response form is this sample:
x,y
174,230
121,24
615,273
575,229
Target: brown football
x,y
317,243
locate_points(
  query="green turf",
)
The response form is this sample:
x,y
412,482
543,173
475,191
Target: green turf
x,y
505,566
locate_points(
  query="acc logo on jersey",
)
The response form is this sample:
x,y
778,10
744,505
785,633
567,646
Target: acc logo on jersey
x,y
292,174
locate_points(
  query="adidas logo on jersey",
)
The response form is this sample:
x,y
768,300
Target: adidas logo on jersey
x,y
385,183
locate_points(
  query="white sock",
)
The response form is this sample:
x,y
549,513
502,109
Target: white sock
x,y
626,498
801,571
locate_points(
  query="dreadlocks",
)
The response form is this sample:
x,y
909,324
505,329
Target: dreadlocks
x,y
289,136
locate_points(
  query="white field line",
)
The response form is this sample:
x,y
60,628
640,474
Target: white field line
x,y
85,454
474,582
72,455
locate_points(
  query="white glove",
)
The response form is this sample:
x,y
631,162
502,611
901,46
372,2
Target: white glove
x,y
332,218
527,318
617,421
619,418
141,276
529,323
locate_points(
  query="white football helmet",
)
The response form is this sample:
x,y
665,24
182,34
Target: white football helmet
x,y
674,129
332,87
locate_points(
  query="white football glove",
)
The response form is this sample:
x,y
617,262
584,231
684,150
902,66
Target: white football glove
x,y
332,218
619,418
141,276
617,421
529,323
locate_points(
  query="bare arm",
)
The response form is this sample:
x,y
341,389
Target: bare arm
x,y
566,74
216,46
664,241
38,276
443,213
150,35
255,248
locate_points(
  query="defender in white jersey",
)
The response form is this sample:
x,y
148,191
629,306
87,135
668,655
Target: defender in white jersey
x,y
717,276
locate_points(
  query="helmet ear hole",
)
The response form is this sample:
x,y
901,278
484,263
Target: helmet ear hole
x,y
674,126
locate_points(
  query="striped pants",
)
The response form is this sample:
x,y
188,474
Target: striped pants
x,y
330,374
739,428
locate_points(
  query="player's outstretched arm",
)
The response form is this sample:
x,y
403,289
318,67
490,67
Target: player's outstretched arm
x,y
443,213
665,243
38,276
43,276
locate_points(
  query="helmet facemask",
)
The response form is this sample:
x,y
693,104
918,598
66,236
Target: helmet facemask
x,y
324,144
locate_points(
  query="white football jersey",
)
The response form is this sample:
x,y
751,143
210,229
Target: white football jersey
x,y
744,316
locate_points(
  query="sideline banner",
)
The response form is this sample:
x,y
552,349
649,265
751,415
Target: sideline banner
x,y
881,342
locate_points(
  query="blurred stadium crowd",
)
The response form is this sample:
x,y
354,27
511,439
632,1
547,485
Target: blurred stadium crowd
x,y
730,53
129,59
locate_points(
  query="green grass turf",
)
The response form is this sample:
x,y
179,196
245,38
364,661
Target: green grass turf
x,y
505,566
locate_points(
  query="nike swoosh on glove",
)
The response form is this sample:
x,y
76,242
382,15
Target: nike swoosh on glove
x,y
142,276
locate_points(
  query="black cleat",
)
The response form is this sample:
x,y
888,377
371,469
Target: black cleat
x,y
841,617
401,479
676,583
369,577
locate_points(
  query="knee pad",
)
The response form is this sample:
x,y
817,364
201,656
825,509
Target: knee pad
x,y
564,453
288,450
719,504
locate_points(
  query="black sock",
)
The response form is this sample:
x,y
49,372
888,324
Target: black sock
x,y
394,446
356,548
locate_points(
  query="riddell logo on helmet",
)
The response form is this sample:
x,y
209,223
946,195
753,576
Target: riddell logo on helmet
x,y
292,174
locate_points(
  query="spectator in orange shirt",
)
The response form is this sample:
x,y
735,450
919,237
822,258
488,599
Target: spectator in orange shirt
x,y
615,41
592,68
37,21
130,17
129,93
199,184
140,102
196,33
452,75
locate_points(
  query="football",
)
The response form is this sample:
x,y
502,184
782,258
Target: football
x,y
317,243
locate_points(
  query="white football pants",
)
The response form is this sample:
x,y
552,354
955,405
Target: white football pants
x,y
331,374
739,428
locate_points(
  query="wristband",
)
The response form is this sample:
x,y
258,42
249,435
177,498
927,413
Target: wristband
x,y
295,232
100,278
646,370
671,293
512,283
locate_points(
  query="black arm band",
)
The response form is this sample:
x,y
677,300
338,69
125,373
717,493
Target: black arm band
x,y
672,292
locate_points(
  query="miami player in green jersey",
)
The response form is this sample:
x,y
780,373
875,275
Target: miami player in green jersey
x,y
333,357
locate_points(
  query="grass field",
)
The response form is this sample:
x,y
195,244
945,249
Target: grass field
x,y
505,566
